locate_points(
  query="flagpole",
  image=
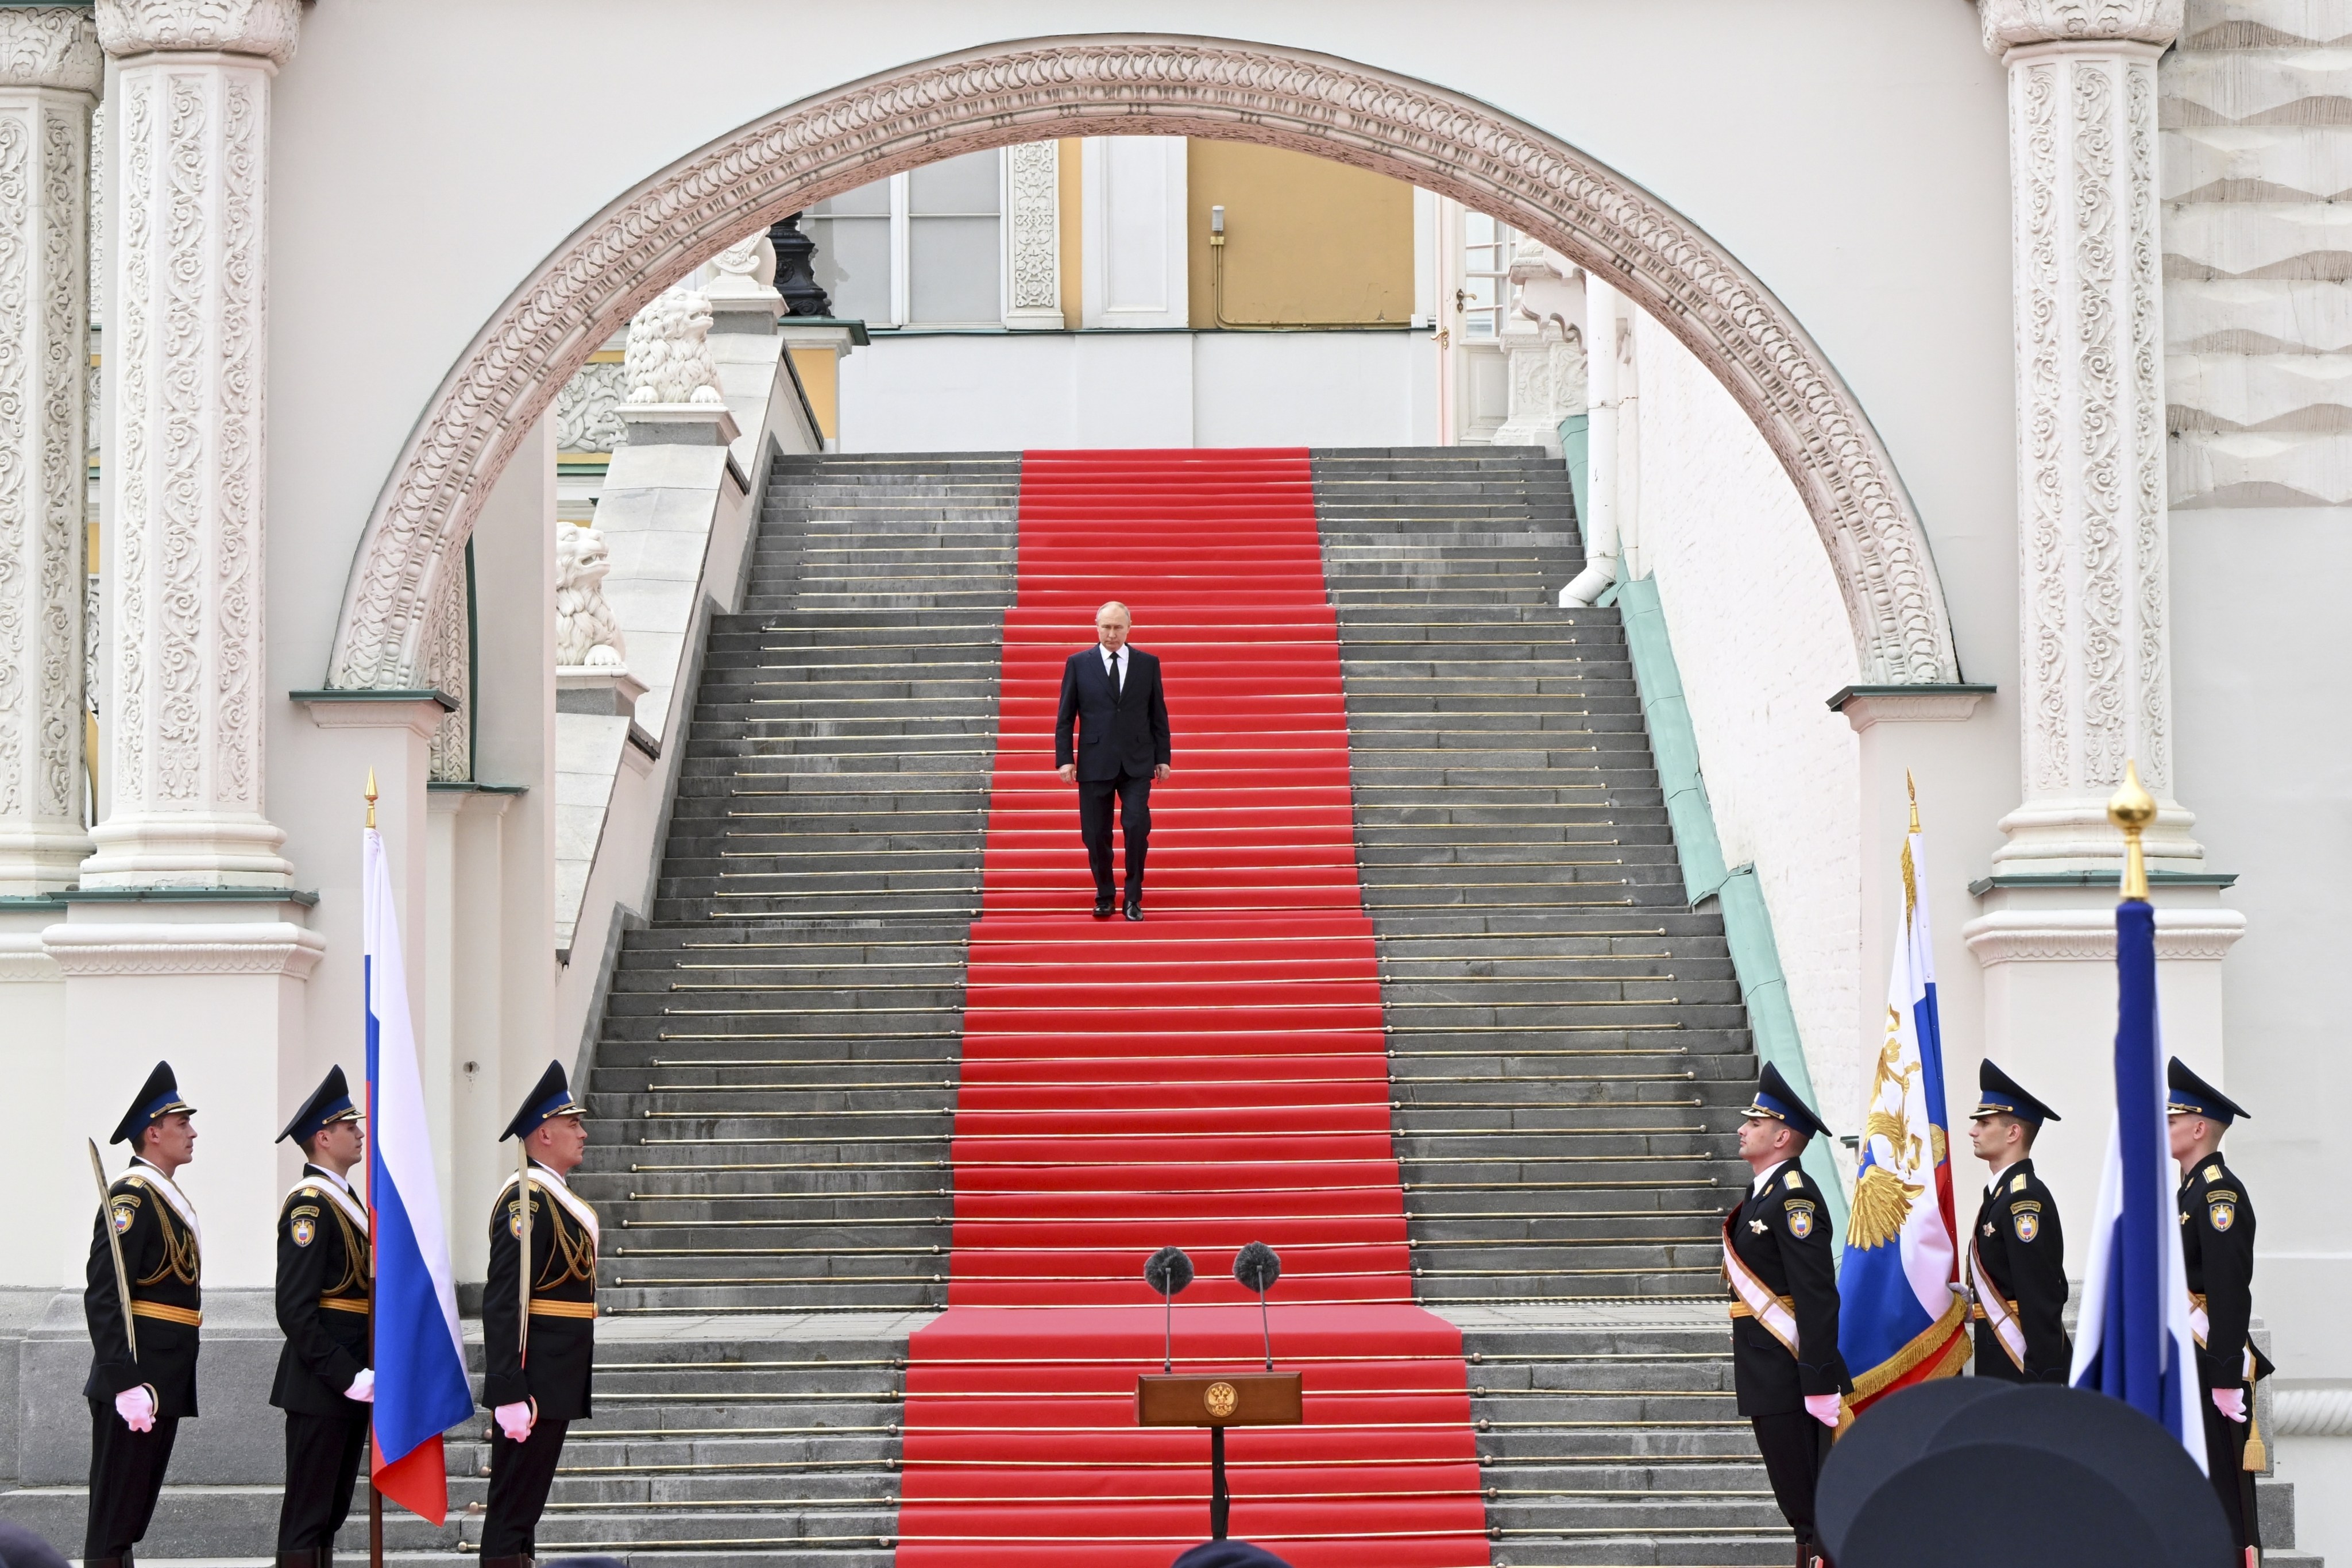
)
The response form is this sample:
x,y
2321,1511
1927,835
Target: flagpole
x,y
375,1498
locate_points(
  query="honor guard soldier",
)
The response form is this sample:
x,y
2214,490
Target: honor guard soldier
x,y
2017,1256
1786,1366
539,1317
144,1303
324,1382
2217,1248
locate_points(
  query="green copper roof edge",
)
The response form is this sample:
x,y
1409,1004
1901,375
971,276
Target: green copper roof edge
x,y
1739,897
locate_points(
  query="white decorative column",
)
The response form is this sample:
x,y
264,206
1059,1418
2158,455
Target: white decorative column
x,y
186,352
50,68
2095,660
1033,236
2095,657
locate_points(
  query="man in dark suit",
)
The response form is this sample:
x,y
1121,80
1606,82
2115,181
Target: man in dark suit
x,y
138,1394
2016,1261
1785,1363
1111,693
324,1381
538,1319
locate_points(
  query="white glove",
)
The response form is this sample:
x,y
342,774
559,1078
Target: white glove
x,y
362,1387
2231,1401
516,1420
136,1408
1823,1408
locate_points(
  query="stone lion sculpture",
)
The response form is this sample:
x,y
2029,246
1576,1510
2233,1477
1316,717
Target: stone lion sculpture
x,y
668,356
585,630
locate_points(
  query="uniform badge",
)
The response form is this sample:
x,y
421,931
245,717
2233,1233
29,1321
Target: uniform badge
x,y
305,1228
1757,1225
124,1215
2029,1225
1987,1230
1801,1222
514,1221
2223,1216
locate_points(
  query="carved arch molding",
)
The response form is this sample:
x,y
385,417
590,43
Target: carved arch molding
x,y
1137,85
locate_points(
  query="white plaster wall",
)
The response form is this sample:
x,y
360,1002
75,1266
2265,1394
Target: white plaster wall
x,y
1761,638
1014,390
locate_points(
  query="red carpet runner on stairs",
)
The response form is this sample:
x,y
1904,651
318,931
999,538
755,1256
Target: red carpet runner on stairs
x,y
1212,1077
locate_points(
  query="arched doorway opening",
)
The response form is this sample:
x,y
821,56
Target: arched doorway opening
x,y
1211,89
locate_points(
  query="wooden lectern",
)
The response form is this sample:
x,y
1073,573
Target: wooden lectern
x,y
1217,1402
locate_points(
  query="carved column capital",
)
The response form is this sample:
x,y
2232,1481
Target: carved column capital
x,y
2017,24
50,46
266,28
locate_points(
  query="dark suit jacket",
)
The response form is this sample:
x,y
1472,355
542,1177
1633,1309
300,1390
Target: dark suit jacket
x,y
1782,1234
1123,734
557,1369
165,1267
2024,1255
323,1275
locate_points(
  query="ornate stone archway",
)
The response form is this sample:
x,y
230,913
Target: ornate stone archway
x,y
1144,85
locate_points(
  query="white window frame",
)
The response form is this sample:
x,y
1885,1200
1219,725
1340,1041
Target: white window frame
x,y
901,266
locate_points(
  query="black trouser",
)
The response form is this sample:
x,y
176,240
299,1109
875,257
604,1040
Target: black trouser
x,y
1794,1447
1134,820
2225,1461
520,1474
126,1471
322,1468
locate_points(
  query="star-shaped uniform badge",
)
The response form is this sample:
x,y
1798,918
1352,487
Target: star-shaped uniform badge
x,y
1987,1230
1757,1225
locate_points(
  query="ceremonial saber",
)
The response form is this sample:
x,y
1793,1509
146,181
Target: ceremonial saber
x,y
114,1246
523,1264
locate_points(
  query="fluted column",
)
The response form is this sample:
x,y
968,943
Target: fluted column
x,y
50,69
2095,660
186,354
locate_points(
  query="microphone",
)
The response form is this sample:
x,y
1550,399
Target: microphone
x,y
1167,1272
1257,1266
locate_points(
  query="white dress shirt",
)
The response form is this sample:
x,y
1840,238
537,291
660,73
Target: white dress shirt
x,y
1111,658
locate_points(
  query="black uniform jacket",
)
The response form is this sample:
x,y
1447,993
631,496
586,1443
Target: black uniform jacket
x,y
322,1297
162,1256
2025,1256
1782,1234
554,1367
1126,733
2217,1244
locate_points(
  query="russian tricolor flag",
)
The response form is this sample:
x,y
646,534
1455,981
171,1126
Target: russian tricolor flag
x,y
420,1358
2134,1340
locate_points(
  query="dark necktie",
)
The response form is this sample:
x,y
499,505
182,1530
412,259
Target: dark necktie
x,y
1117,686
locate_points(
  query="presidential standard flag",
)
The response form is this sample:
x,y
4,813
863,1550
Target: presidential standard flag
x,y
2134,1341
1901,1319
420,1359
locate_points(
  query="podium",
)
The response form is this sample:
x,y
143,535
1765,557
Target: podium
x,y
1218,1401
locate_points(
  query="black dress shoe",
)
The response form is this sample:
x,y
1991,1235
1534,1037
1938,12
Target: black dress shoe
x,y
1134,909
1102,909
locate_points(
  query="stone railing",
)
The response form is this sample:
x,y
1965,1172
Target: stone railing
x,y
711,399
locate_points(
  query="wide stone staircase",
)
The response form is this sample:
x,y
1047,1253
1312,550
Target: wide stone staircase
x,y
1568,1054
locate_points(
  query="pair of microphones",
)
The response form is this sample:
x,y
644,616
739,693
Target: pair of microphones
x,y
1169,1269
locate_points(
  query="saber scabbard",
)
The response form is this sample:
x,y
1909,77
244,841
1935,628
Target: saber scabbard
x,y
523,1263
114,1246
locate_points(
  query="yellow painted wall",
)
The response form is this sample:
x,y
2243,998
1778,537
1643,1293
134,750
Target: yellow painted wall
x,y
1073,188
820,373
1306,240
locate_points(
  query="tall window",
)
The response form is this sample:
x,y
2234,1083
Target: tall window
x,y
1485,290
919,249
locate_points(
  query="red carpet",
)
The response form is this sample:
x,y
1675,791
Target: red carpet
x,y
1214,1076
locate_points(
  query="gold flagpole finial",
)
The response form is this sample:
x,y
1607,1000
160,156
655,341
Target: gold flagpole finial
x,y
371,797
1914,788
2132,808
